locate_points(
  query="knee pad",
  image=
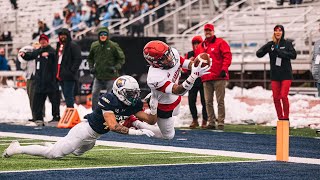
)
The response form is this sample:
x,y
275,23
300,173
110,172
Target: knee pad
x,y
169,135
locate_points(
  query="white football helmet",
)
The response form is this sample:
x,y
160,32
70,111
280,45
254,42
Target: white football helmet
x,y
126,88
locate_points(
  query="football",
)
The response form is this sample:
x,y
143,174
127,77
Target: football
x,y
204,57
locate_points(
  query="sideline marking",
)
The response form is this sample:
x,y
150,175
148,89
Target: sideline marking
x,y
172,149
182,157
116,167
152,153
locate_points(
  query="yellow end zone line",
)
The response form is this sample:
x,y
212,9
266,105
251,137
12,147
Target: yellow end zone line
x,y
172,148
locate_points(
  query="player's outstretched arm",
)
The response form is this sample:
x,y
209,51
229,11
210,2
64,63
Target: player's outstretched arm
x,y
188,83
114,126
148,118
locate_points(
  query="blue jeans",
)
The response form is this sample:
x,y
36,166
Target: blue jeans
x,y
318,86
98,85
68,92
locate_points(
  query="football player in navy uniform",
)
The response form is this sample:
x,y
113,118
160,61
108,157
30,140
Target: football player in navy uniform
x,y
121,104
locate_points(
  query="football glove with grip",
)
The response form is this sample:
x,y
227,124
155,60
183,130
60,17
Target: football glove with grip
x,y
139,132
195,73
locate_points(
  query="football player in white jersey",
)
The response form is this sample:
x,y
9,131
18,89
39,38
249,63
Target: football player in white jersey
x,y
113,107
163,76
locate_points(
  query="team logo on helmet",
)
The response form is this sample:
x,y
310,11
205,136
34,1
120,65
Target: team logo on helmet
x,y
120,82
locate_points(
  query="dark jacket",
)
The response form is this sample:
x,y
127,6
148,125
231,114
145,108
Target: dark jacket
x,y
106,58
3,64
46,69
71,58
285,51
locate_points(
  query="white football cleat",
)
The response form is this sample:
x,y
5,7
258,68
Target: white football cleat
x,y
12,149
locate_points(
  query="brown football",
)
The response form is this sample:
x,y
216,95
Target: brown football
x,y
204,57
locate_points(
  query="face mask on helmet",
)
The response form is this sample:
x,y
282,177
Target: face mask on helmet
x,y
159,55
126,88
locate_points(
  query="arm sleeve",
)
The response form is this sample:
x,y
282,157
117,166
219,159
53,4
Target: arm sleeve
x,y
106,102
184,63
289,52
91,56
76,55
263,50
120,57
31,55
227,56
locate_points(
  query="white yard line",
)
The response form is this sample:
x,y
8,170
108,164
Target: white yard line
x,y
183,157
35,143
152,153
172,149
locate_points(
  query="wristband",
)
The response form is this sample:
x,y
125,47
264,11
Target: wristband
x,y
188,83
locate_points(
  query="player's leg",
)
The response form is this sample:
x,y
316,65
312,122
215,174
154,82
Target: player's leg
x,y
276,87
81,133
97,86
84,148
166,127
192,99
208,94
204,109
220,87
285,86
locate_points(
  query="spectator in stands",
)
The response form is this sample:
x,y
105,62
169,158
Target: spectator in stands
x,y
67,16
113,12
45,82
280,51
57,21
69,60
105,61
193,92
295,2
94,15
216,81
14,4
138,26
126,7
85,15
79,6
6,36
160,13
30,67
3,65
42,29
71,6
315,68
75,21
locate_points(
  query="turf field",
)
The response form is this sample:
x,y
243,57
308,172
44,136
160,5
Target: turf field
x,y
103,156
192,154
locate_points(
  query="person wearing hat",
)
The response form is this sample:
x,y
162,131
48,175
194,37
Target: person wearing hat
x,y
216,80
105,61
197,87
69,59
280,52
45,82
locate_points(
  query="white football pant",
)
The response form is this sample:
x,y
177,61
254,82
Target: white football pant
x,y
81,138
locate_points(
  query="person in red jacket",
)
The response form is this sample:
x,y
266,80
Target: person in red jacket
x,y
216,80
